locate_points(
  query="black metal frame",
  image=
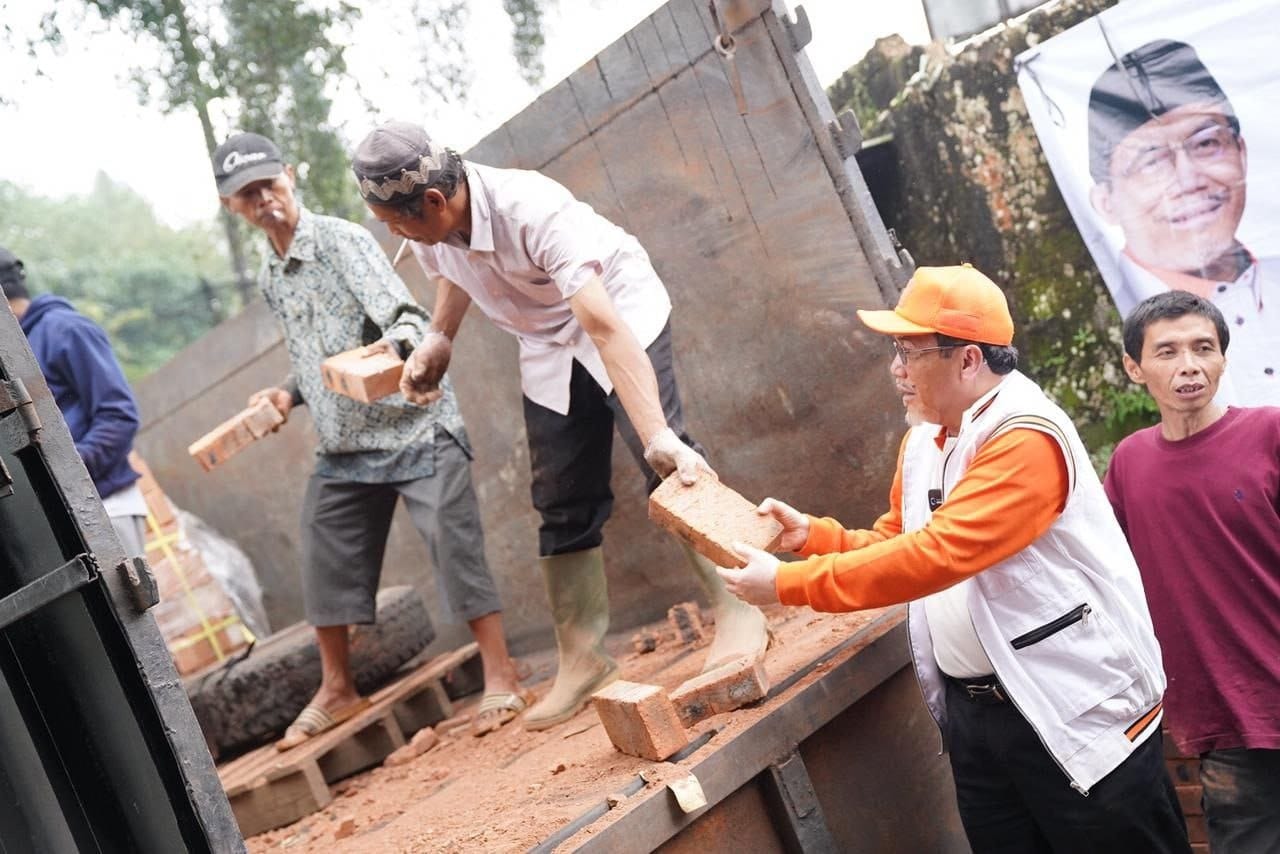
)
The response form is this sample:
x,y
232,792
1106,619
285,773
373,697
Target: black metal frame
x,y
99,750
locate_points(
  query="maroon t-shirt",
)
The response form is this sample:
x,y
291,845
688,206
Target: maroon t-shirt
x,y
1203,518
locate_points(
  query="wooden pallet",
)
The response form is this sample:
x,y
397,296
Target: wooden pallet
x,y
269,789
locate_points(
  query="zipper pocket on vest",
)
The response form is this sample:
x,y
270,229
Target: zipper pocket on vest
x,y
1070,618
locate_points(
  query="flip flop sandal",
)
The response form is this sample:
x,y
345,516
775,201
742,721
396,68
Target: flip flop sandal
x,y
314,720
496,710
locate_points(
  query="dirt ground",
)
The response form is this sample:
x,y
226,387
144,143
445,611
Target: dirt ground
x,y
512,789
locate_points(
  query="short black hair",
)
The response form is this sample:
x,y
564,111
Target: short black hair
x,y
1001,359
1169,305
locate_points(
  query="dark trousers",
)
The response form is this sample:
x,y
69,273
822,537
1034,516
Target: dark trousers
x,y
1242,800
571,455
1014,798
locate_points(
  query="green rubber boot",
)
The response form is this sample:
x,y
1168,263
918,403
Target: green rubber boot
x,y
580,608
741,629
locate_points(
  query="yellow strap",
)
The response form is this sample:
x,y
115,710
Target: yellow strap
x,y
208,630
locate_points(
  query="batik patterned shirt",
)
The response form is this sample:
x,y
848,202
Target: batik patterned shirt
x,y
335,291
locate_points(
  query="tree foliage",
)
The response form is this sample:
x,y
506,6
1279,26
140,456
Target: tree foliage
x,y
154,289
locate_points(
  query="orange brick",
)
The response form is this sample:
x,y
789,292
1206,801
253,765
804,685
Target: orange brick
x,y
711,517
1184,771
722,690
640,720
363,375
235,434
1189,799
686,621
1197,829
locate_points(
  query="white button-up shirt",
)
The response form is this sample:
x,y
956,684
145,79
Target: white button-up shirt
x,y
533,246
1251,307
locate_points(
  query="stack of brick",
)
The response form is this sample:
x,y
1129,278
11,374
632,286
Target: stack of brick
x,y
1185,772
197,619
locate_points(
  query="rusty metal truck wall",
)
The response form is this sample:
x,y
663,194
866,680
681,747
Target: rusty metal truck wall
x,y
757,223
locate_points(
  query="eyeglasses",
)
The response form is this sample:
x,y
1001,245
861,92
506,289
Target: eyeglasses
x,y
905,355
1204,146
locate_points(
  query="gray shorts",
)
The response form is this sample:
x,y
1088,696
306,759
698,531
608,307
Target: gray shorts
x,y
344,535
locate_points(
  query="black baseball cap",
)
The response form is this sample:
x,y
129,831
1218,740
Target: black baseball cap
x,y
243,159
1144,84
11,267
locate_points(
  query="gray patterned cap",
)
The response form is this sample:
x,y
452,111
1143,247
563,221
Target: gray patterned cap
x,y
395,160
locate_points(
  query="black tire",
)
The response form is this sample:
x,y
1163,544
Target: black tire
x,y
252,700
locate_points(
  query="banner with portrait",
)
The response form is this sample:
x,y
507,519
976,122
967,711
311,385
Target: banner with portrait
x,y
1161,122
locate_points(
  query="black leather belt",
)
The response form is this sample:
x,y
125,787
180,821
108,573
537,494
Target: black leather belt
x,y
985,690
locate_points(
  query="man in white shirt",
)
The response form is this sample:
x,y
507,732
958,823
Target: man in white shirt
x,y
1169,164
593,321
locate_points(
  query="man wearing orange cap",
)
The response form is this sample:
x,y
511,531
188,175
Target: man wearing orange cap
x,y
1028,626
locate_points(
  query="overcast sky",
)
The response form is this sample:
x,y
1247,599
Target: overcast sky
x,y
82,116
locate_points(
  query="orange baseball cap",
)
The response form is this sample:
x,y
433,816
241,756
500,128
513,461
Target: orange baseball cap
x,y
955,301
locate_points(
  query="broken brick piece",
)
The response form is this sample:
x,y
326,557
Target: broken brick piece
x,y
711,517
686,620
640,720
422,741
644,641
235,434
724,689
362,374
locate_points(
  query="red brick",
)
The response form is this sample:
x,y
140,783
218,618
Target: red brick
x,y
711,517
1189,799
235,434
1184,772
1197,829
363,375
422,741
722,690
640,720
686,622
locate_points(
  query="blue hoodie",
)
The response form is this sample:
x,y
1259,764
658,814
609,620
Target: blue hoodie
x,y
86,381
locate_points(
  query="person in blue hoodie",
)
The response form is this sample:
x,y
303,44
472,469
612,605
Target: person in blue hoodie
x,y
89,387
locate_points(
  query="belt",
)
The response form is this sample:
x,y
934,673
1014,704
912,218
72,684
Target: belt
x,y
984,690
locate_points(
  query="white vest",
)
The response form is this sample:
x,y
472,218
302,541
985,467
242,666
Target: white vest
x,y
1065,620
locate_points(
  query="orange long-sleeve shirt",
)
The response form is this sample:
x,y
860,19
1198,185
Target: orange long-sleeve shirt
x,y
1012,491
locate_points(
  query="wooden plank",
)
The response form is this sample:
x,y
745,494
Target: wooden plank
x,y
288,799
266,764
547,127
363,749
426,708
858,671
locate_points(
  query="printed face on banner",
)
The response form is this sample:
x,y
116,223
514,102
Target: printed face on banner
x,y
1143,112
1176,189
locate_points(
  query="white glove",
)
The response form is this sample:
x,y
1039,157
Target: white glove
x,y
666,454
757,582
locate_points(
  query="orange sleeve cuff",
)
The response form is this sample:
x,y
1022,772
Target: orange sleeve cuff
x,y
1014,489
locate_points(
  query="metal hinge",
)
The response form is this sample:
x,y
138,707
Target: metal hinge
x,y
846,134
15,398
799,31
141,582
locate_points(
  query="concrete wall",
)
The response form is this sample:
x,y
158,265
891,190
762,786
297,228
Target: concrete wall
x,y
758,229
966,180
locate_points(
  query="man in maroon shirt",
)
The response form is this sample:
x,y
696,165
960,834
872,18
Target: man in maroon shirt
x,y
1198,496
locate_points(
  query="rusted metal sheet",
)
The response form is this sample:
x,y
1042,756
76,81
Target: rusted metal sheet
x,y
756,225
